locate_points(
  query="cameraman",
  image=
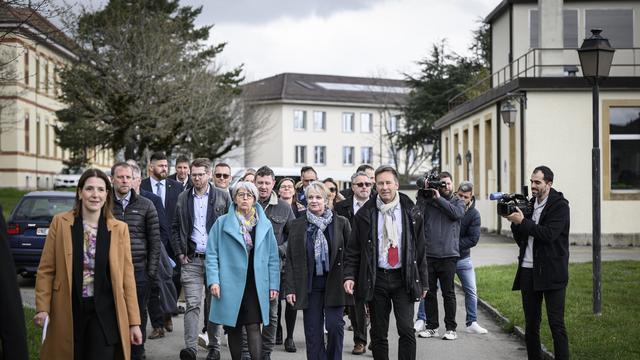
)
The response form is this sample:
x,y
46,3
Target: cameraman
x,y
543,263
442,213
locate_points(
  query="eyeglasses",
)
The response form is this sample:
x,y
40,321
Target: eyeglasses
x,y
221,176
363,184
244,195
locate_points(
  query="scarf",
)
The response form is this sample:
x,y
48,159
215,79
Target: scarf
x,y
320,246
389,229
246,226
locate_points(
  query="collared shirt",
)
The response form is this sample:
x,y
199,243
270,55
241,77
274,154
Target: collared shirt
x,y
527,261
125,200
162,191
199,234
382,259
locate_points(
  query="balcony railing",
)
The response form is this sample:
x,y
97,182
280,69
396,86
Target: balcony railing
x,y
552,62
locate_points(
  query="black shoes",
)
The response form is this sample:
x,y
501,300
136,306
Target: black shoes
x,y
289,345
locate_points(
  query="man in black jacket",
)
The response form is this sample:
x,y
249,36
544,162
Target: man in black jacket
x,y
442,212
361,186
196,211
543,262
385,263
144,230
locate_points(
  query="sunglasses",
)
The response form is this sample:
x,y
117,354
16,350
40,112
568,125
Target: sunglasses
x,y
222,176
363,184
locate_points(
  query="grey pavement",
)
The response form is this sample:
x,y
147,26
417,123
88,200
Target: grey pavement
x,y
497,344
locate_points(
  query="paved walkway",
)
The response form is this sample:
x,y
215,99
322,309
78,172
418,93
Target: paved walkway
x,y
497,344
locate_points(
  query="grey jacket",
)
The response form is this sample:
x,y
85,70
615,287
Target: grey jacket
x,y
442,225
279,213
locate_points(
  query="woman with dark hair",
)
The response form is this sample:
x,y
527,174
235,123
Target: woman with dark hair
x,y
85,287
334,196
313,273
243,270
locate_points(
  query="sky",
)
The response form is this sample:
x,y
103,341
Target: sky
x,y
370,38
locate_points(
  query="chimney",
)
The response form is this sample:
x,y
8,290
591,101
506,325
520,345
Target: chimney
x,y
550,33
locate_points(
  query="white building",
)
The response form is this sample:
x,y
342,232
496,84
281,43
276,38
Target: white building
x,y
333,123
32,50
533,47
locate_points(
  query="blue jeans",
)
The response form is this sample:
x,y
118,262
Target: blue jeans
x,y
467,276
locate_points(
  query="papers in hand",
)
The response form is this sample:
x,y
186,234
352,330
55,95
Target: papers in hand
x,y
44,328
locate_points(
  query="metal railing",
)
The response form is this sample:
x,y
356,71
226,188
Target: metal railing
x,y
549,62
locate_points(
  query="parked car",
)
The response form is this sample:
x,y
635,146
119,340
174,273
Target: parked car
x,y
28,226
66,179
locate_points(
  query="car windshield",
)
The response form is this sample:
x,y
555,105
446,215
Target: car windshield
x,y
41,208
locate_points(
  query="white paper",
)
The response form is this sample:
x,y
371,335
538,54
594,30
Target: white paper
x,y
44,328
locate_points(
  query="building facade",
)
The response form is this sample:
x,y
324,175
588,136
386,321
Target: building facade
x,y
333,123
32,51
535,68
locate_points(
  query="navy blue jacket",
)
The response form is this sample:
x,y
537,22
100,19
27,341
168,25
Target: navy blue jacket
x,y
469,230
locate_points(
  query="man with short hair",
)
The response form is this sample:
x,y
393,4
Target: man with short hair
x,y
182,172
361,187
385,263
142,219
279,213
543,262
469,236
441,212
222,175
196,211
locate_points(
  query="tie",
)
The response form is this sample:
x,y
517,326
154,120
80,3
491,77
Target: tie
x,y
159,191
392,258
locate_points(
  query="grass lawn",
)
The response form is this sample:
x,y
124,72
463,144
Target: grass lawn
x,y
613,335
34,334
9,198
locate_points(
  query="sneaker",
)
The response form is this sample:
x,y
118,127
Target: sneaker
x,y
428,333
203,340
450,335
419,325
474,328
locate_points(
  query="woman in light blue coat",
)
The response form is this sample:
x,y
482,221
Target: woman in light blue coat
x,y
243,270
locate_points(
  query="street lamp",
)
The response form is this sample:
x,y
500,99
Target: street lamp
x,y
596,55
467,157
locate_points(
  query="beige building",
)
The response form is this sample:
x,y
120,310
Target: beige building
x,y
536,69
333,123
32,51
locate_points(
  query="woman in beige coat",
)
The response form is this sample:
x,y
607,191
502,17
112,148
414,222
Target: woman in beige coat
x,y
85,284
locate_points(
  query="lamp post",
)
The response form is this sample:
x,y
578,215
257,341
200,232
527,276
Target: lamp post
x,y
596,56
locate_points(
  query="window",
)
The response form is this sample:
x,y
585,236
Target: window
x,y
348,122
299,120
26,67
624,137
366,123
300,154
569,32
393,123
319,155
366,154
617,25
319,120
347,155
26,133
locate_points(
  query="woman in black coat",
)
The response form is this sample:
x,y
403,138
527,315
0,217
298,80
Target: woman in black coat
x,y
313,273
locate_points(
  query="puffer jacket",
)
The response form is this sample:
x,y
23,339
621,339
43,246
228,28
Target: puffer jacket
x,y
144,231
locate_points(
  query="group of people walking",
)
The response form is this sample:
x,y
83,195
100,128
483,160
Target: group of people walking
x,y
131,246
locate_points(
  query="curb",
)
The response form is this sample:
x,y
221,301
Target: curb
x,y
546,354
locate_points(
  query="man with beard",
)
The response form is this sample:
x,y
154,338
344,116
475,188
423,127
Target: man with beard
x,y
442,213
142,219
168,190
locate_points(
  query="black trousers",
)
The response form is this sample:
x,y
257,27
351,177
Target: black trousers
x,y
357,316
444,270
532,306
390,290
143,289
90,341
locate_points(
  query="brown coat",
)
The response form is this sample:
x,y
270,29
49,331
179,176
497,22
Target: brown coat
x,y
54,279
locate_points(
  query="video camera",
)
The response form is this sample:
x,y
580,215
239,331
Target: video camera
x,y
507,203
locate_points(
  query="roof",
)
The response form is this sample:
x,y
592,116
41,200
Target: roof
x,y
328,88
28,20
